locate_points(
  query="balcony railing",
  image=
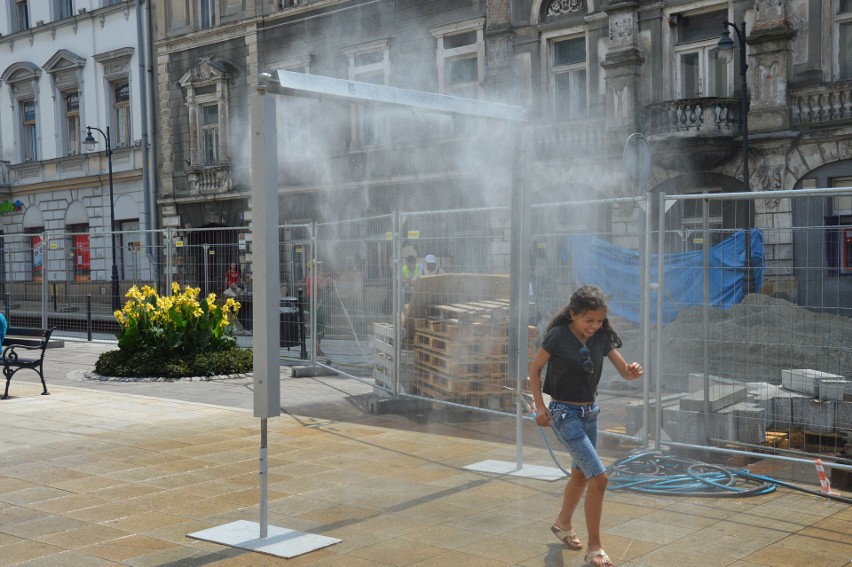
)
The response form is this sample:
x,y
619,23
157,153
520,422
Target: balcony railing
x,y
206,180
821,105
693,116
556,137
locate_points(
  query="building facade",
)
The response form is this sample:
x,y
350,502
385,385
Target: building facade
x,y
65,66
589,72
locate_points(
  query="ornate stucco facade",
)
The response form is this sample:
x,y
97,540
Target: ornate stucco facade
x,y
589,73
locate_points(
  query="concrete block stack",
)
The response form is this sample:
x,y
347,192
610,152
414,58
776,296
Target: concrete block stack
x,y
812,403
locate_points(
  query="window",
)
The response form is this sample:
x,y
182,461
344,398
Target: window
x,y
461,58
210,134
37,245
699,72
78,244
62,9
22,15
369,63
206,99
28,126
71,100
207,14
839,235
568,86
121,114
843,21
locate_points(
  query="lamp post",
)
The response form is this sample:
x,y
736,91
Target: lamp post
x,y
91,144
725,47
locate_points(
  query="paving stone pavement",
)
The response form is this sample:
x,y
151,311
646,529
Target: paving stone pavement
x,y
117,473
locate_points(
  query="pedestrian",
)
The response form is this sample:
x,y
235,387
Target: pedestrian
x,y
411,272
574,346
322,287
432,268
232,276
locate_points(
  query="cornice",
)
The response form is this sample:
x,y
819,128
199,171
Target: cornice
x,y
202,38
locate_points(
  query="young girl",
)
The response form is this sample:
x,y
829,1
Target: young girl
x,y
575,344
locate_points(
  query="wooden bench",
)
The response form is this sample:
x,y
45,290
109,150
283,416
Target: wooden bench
x,y
24,348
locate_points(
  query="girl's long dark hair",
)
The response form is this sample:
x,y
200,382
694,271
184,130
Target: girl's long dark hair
x,y
586,298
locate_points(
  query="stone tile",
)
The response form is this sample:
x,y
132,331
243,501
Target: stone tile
x,y
782,555
396,552
641,529
67,558
30,495
125,548
26,550
82,536
40,527
671,556
506,548
445,536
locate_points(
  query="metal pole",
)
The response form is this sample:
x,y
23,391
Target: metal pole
x,y
44,274
264,480
646,320
89,317
705,288
658,362
519,305
396,302
115,293
303,349
748,277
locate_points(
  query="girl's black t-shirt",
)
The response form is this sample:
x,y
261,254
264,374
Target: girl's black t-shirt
x,y
566,380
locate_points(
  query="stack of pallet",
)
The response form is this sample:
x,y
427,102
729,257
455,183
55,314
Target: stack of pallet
x,y
461,354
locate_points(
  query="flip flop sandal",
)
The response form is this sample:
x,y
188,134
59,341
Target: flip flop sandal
x,y
568,537
598,558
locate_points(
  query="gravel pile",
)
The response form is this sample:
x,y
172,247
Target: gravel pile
x,y
756,339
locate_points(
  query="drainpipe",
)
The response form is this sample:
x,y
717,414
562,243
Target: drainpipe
x,y
143,35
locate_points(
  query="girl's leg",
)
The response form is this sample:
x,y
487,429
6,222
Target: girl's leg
x,y
593,508
571,498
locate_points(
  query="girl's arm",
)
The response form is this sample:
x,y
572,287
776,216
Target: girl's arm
x,y
542,414
632,371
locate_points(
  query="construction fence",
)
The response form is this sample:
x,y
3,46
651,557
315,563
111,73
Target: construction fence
x,y
746,336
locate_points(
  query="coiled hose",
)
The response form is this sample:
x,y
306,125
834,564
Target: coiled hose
x,y
652,472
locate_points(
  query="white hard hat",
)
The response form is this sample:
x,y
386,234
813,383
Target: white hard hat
x,y
430,259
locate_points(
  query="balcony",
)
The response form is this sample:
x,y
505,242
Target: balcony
x,y
821,106
693,134
557,139
209,179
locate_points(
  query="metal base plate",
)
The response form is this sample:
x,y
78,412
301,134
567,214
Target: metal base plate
x,y
511,469
279,542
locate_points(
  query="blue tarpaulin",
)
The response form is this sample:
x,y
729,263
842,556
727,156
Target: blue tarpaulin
x,y
617,271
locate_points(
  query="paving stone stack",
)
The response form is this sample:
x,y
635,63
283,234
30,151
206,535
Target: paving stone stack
x,y
810,402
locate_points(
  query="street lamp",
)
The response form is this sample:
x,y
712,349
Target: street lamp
x,y
91,145
725,47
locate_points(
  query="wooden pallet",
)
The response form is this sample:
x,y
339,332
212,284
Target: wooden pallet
x,y
447,385
463,348
503,400
459,369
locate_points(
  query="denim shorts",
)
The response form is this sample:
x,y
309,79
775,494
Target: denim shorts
x,y
576,427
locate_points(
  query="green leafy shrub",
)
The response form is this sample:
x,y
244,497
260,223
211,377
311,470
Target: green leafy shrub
x,y
175,336
143,364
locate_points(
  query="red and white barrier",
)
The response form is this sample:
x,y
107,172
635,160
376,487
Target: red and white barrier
x,y
823,479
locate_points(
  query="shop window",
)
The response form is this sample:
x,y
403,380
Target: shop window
x,y
37,248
